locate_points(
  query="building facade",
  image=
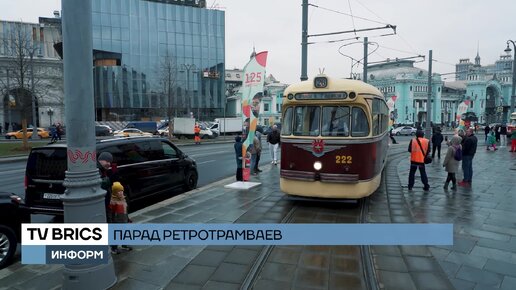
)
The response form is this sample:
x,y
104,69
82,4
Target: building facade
x,y
30,69
405,88
155,56
270,107
488,89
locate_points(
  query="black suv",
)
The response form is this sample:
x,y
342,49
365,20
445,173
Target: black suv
x,y
12,215
146,166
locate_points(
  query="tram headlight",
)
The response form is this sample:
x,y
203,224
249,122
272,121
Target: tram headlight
x,y
317,165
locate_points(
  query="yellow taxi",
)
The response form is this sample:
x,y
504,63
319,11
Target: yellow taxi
x,y
42,133
131,132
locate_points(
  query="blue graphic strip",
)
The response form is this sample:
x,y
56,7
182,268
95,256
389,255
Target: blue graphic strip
x,y
33,254
281,234
77,255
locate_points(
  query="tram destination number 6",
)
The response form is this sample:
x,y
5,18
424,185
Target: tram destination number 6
x,y
343,159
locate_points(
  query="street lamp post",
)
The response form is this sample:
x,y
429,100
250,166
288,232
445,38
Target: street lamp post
x,y
508,50
50,112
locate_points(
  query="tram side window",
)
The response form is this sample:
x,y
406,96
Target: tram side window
x,y
380,117
286,129
359,123
385,116
377,117
306,121
335,121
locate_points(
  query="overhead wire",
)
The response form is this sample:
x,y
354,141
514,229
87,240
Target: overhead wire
x,y
403,39
347,14
352,18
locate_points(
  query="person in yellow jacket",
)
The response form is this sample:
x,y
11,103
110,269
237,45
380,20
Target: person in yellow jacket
x,y
197,137
418,148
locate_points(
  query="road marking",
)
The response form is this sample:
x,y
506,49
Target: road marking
x,y
207,154
199,163
14,171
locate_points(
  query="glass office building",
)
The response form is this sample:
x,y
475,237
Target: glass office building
x,y
151,57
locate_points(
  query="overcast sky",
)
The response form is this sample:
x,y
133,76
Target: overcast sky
x,y
453,29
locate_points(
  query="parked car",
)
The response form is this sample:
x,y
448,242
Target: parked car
x,y
12,215
103,130
131,132
146,166
404,130
42,133
145,126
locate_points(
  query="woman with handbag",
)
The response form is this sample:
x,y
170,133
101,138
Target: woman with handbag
x,y
418,148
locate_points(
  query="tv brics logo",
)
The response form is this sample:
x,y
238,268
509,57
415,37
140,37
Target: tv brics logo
x,y
65,243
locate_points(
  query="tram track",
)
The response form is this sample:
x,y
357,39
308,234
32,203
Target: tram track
x,y
366,261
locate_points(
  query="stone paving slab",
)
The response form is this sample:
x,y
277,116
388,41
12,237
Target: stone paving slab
x,y
484,254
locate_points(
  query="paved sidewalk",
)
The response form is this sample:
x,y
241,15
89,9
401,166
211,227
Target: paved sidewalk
x,y
484,252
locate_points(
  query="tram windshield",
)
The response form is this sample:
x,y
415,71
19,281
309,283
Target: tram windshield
x,y
326,121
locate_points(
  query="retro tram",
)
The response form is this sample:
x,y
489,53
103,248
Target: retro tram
x,y
334,138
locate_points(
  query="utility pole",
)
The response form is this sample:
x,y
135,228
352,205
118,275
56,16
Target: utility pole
x,y
33,96
304,41
84,200
513,88
428,127
364,78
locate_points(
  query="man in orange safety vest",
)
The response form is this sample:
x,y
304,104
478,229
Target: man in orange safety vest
x,y
418,148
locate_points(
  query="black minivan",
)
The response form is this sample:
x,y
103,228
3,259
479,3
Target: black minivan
x,y
146,165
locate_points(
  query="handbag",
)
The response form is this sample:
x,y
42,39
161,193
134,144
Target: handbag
x,y
428,159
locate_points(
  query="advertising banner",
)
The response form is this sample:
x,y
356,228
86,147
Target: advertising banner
x,y
252,94
461,109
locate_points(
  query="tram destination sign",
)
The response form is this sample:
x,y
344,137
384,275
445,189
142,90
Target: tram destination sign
x,y
321,96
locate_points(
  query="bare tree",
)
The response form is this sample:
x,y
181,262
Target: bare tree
x,y
26,80
168,80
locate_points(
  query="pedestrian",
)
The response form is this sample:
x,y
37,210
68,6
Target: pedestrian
x,y
513,140
469,148
238,154
491,141
392,137
108,175
60,130
486,131
197,137
53,134
274,139
258,152
437,139
451,162
497,133
419,149
257,147
503,135
118,210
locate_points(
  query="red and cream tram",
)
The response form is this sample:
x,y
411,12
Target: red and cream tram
x,y
334,138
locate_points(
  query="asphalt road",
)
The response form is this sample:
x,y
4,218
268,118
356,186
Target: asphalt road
x,y
214,161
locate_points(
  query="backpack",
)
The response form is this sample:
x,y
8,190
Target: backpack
x,y
458,154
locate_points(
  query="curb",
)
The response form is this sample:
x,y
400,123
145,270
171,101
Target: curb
x,y
12,159
188,194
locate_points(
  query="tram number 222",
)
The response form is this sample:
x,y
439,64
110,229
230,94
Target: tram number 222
x,y
343,159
